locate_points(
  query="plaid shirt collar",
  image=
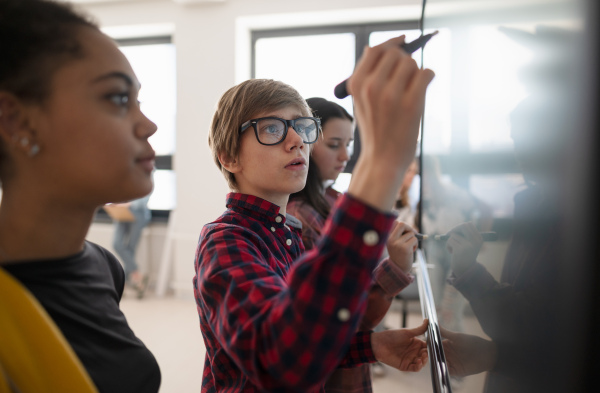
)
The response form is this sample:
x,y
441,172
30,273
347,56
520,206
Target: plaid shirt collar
x,y
260,209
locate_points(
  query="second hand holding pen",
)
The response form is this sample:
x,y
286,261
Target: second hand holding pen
x,y
341,91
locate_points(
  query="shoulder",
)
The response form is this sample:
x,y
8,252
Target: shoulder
x,y
527,196
231,227
218,239
308,216
227,249
297,208
332,194
103,257
98,252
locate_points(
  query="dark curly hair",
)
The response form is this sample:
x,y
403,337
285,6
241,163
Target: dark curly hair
x,y
37,37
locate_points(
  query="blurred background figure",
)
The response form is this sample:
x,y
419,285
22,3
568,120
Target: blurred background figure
x,y
518,311
128,232
445,206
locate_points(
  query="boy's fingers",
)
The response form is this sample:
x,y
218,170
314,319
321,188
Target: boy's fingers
x,y
364,66
418,84
419,329
403,74
405,227
369,61
408,236
386,69
397,227
402,230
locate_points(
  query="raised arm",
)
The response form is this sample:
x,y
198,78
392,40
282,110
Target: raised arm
x,y
389,96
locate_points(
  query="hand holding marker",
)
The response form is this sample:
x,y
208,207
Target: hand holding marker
x,y
410,47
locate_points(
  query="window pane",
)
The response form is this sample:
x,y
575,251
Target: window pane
x,y
379,37
154,66
438,122
342,182
495,86
163,196
312,64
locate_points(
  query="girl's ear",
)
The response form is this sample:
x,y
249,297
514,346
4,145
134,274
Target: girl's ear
x,y
9,117
230,164
15,124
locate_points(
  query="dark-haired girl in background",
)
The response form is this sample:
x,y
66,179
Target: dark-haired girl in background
x,y
72,138
312,206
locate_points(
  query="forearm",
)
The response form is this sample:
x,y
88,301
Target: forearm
x,y
376,182
388,281
504,311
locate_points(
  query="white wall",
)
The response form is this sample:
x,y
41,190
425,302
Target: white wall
x,y
213,45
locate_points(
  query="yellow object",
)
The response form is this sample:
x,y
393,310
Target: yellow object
x,y
34,355
119,212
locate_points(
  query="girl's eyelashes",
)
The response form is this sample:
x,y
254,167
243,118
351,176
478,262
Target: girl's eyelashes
x,y
334,145
122,99
119,99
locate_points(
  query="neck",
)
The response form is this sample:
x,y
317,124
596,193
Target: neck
x,y
32,228
279,201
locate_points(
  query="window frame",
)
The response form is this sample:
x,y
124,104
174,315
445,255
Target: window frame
x,y
361,31
468,162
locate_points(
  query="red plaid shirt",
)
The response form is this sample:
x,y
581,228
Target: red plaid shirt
x,y
388,278
274,318
388,281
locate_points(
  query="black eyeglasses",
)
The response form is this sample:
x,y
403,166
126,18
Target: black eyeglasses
x,y
273,130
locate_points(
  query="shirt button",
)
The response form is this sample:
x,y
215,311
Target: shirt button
x,y
370,238
343,314
288,242
272,229
278,219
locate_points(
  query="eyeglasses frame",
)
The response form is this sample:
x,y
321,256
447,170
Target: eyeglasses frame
x,y
288,124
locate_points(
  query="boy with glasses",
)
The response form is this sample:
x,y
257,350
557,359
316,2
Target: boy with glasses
x,y
274,318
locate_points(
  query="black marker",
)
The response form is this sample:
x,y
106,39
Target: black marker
x,y
410,47
487,236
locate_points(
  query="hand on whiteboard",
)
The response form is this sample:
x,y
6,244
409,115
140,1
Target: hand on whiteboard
x,y
400,348
467,354
464,244
401,245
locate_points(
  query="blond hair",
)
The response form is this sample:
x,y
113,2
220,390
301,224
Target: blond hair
x,y
242,103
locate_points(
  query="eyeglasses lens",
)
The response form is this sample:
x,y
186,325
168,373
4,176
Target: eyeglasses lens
x,y
272,131
307,129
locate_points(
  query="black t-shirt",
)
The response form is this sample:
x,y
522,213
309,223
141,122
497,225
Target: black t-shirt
x,y
82,293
